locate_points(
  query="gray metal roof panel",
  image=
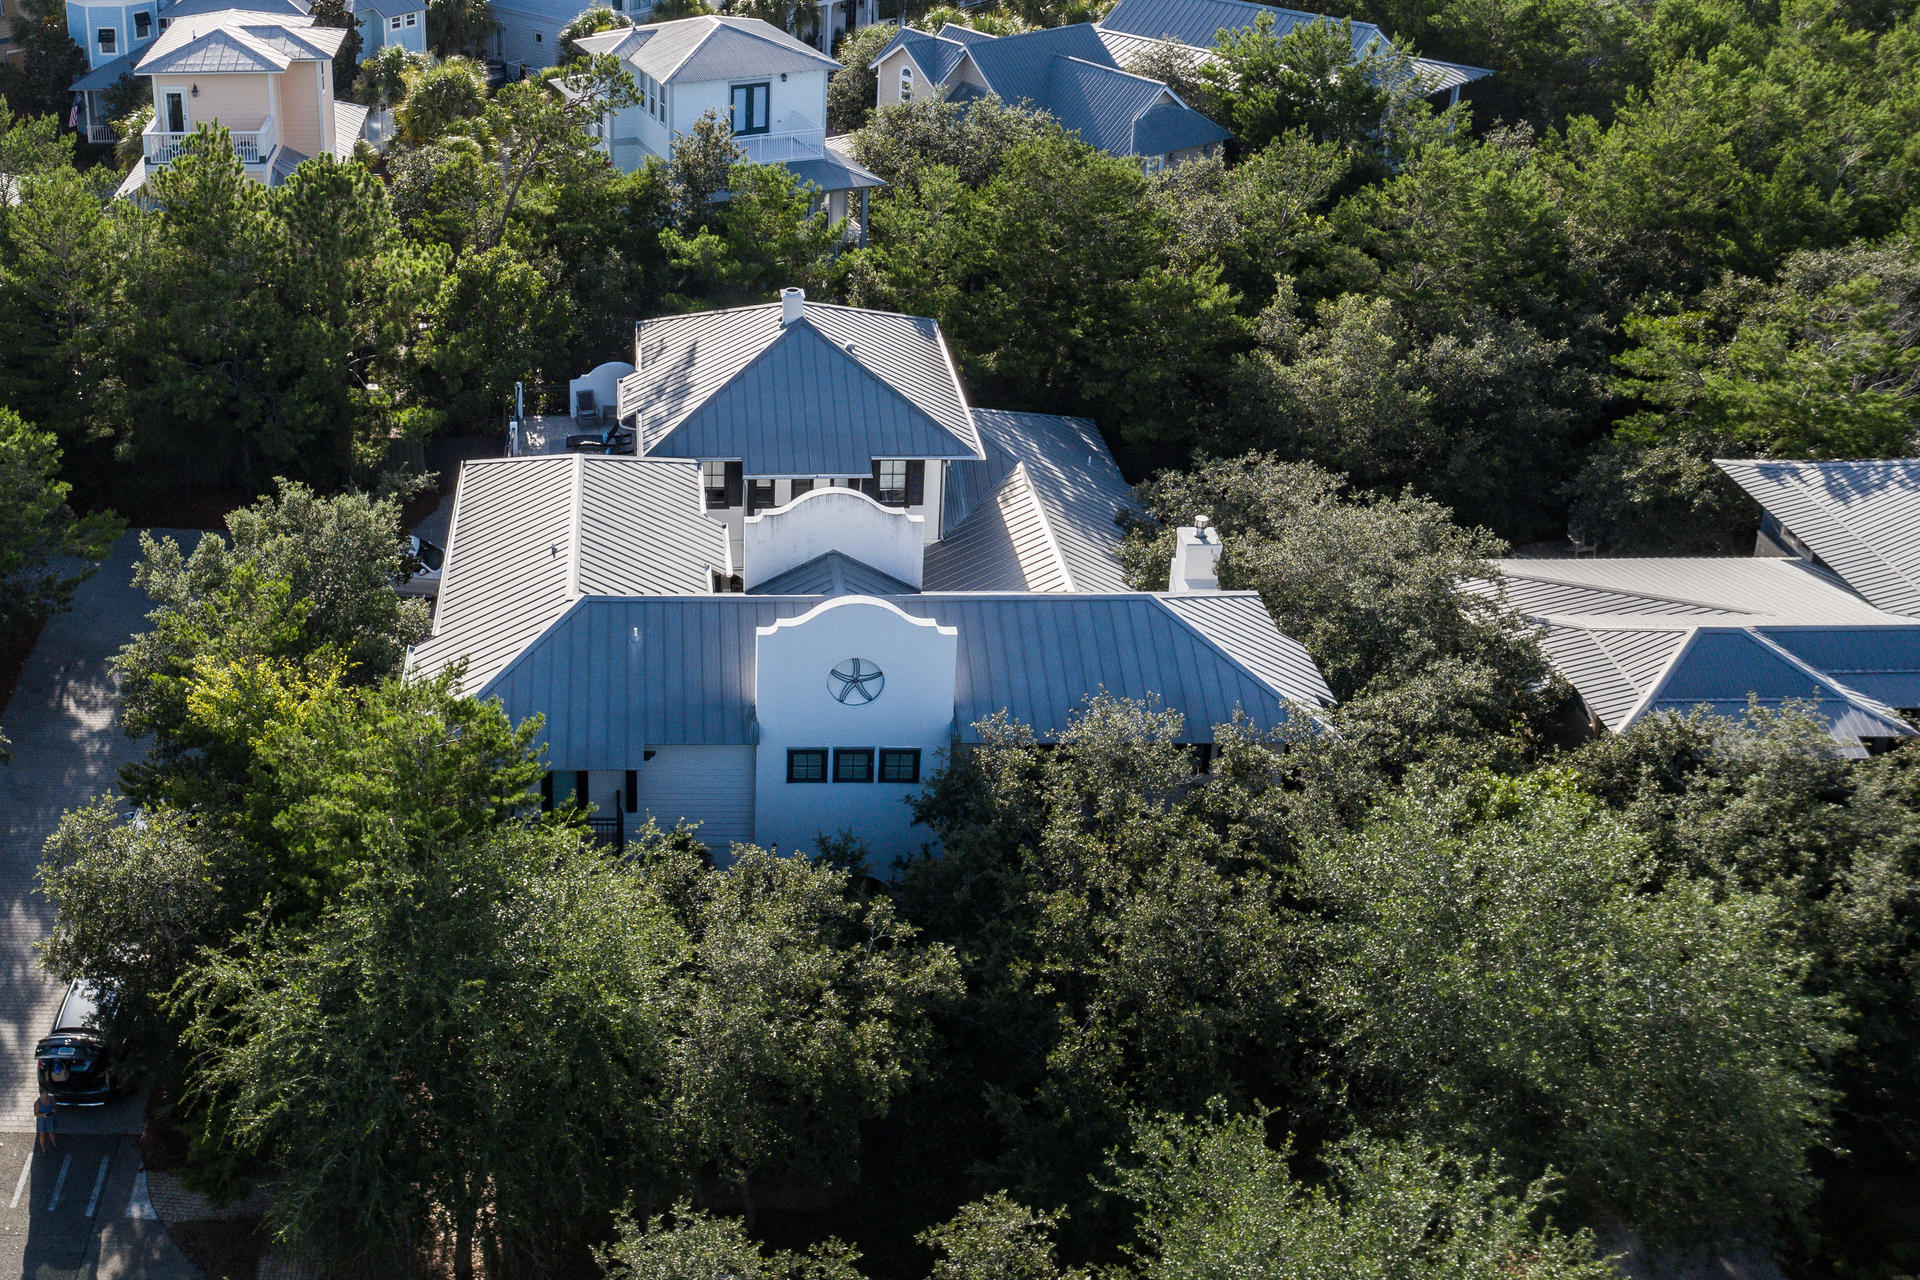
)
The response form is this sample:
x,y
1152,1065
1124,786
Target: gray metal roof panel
x,y
1240,625
834,172
833,574
386,8
1199,22
1727,669
107,74
1077,484
1037,657
686,363
349,122
1099,101
195,8
212,53
1776,588
531,535
1881,662
1004,544
1439,77
935,56
1861,517
1020,68
285,161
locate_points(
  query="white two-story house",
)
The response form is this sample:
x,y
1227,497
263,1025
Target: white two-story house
x,y
388,22
769,86
268,78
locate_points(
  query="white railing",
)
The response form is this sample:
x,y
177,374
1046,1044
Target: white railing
x,y
253,146
802,139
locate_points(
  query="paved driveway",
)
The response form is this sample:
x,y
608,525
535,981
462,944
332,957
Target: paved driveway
x,y
66,750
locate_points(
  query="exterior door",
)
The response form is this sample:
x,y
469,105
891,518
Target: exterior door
x,y
176,113
750,108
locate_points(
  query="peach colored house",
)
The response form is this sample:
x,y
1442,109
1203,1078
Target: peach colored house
x,y
267,77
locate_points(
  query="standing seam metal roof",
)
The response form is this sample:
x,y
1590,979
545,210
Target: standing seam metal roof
x,y
1862,518
614,676
532,535
709,47
736,383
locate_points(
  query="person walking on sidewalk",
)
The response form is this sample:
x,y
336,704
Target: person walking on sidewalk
x,y
46,1122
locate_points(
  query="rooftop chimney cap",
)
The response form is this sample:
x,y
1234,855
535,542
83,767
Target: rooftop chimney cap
x,y
791,300
1201,524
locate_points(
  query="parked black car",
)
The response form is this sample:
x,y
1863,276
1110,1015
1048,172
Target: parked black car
x,y
76,1064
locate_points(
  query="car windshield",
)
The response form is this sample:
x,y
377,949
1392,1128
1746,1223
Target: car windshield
x,y
432,557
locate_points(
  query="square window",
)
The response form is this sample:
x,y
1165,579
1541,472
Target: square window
x,y
393,23
900,764
809,764
892,482
713,476
797,487
106,35
853,764
413,19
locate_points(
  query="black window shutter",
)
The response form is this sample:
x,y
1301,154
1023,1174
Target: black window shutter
x,y
916,483
580,787
546,793
633,785
736,482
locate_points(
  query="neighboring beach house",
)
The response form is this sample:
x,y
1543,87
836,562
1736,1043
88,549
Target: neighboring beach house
x,y
528,34
821,572
1067,72
268,78
771,87
1133,26
390,22
1826,616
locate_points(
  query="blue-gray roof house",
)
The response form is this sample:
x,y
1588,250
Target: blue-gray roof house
x,y
1068,72
1133,25
767,621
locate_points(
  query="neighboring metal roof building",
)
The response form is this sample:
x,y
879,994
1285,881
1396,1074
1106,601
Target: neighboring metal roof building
x,y
237,40
532,535
195,8
1198,24
1727,587
1638,636
1861,518
823,396
707,48
285,161
107,74
349,123
614,676
834,171
385,8
1069,73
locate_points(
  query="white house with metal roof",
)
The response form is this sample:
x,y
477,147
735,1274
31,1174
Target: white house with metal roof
x,y
768,86
821,570
266,77
1068,72
1635,636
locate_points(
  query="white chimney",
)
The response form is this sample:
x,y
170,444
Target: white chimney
x,y
791,300
1196,559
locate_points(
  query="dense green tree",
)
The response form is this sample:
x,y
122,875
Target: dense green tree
x,y
1122,949
905,139
457,27
802,1012
491,1097
442,97
300,591
590,21
37,80
340,14
1501,976
535,133
496,321
854,89
1661,499
1317,78
695,1246
44,546
1369,584
1215,1200
383,79
701,167
139,903
769,236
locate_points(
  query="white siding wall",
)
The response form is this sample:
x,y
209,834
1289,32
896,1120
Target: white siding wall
x,y
803,94
709,785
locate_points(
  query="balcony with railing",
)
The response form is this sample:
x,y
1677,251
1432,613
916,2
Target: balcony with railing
x,y
802,139
254,146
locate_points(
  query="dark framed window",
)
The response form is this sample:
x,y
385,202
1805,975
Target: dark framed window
x,y
807,764
798,487
106,35
142,25
853,764
749,107
890,482
723,482
900,764
760,496
633,791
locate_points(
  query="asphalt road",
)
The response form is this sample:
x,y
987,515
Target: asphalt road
x,y
64,1214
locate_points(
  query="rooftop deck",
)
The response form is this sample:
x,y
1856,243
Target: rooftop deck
x,y
545,433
